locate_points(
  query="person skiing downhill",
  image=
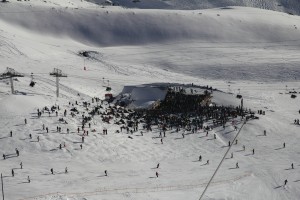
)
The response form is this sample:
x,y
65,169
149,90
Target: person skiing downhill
x,y
157,166
156,174
200,158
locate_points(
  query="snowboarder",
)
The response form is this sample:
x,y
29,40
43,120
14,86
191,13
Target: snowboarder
x,y
200,158
28,179
51,170
21,165
237,165
105,172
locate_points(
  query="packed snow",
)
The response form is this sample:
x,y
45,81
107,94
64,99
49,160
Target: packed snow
x,y
246,51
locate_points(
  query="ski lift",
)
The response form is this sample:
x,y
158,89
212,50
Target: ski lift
x,y
32,83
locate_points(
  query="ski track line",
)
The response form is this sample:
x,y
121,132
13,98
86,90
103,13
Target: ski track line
x,y
103,191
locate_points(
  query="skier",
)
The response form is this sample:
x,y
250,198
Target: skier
x,y
182,135
105,172
156,174
215,136
43,126
231,155
141,133
4,156
25,120
207,162
200,158
285,182
206,133
157,166
59,146
12,173
265,133
82,139
81,146
38,138
253,151
292,165
161,141
236,141
10,133
237,165
284,145
21,165
66,170
17,152
47,129
229,143
244,148
30,136
51,170
28,179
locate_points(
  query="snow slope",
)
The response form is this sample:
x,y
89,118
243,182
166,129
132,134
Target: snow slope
x,y
288,6
242,50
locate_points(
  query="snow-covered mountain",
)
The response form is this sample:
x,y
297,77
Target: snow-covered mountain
x,y
239,50
288,6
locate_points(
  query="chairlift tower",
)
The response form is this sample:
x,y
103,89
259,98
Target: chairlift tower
x,y
10,73
57,73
